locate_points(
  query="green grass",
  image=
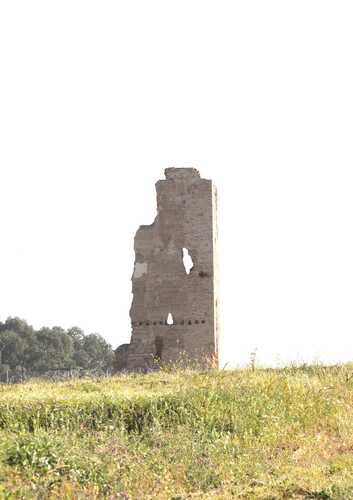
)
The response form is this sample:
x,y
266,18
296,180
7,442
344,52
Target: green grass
x,y
181,434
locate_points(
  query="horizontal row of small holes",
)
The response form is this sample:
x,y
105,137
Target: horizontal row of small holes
x,y
155,323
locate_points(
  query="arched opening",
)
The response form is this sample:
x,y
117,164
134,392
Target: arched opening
x,y
159,347
170,319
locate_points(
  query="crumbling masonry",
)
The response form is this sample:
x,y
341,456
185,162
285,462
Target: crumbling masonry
x,y
175,302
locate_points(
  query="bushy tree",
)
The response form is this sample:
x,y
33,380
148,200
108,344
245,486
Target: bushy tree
x,y
22,347
100,353
54,349
11,348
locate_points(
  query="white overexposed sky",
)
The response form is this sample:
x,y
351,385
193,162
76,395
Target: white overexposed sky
x,y
97,98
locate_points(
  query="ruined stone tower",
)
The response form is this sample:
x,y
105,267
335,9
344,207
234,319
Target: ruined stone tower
x,y
174,284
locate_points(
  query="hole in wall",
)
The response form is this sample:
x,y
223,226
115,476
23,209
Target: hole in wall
x,y
170,319
187,261
159,346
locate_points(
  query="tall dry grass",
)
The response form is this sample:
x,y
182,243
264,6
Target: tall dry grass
x,y
181,433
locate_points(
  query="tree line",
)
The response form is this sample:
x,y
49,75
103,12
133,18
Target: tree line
x,y
26,350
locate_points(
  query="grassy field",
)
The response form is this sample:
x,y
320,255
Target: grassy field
x,y
181,434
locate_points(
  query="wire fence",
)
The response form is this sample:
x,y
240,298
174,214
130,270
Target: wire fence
x,y
19,374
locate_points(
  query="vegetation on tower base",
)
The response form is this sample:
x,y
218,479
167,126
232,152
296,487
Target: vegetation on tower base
x,y
181,434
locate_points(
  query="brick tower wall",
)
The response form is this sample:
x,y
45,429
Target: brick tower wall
x,y
186,224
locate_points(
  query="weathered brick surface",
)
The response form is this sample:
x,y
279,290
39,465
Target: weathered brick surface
x,y
186,219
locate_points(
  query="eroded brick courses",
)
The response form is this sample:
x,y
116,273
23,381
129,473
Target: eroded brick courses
x,y
175,280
